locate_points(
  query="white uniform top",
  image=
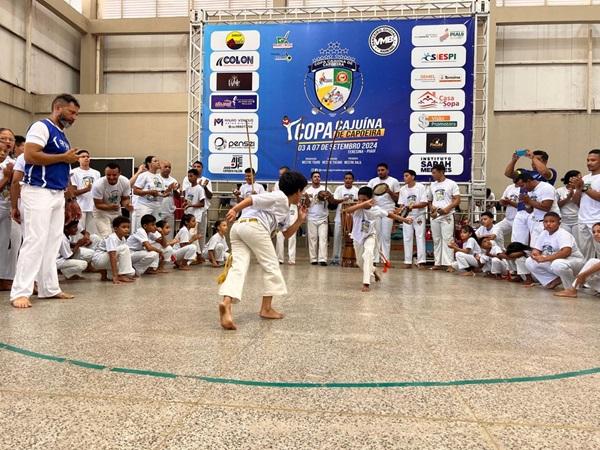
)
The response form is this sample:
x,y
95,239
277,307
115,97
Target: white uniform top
x,y
194,195
271,209
167,206
184,237
215,240
111,193
412,195
246,189
549,244
110,243
135,242
569,212
511,193
589,209
148,181
343,193
82,179
317,212
20,163
441,193
185,185
364,222
64,251
472,245
483,231
385,201
543,191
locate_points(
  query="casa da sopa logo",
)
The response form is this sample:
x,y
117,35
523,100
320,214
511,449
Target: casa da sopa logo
x,y
333,83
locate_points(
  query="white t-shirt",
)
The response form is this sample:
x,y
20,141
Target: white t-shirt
x,y
271,209
511,193
135,242
20,163
194,195
246,189
111,193
317,212
184,237
215,240
472,245
346,194
569,212
148,181
549,244
589,209
64,251
110,243
385,201
442,193
364,222
82,179
543,191
167,207
483,231
412,195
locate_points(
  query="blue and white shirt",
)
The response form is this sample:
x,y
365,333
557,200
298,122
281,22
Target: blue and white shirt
x,y
53,176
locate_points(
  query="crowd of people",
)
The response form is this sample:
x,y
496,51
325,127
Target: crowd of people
x,y
58,219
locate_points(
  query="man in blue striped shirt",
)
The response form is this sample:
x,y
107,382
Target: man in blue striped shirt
x,y
48,157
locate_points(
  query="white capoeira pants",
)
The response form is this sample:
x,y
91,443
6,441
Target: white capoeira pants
x,y
572,228
101,261
520,228
317,241
585,241
565,269
383,226
518,266
187,253
464,261
536,228
87,222
493,264
203,226
103,221
142,260
71,267
442,232
140,211
220,254
593,281
416,229
338,239
365,255
280,246
43,221
504,229
248,238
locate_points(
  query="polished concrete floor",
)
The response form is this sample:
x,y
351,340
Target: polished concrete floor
x,y
426,360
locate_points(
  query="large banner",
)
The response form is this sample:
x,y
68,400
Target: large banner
x,y
399,92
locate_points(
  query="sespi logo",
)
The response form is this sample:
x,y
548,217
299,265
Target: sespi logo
x,y
439,56
384,40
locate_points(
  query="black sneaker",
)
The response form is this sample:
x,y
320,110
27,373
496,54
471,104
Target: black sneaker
x,y
323,263
314,263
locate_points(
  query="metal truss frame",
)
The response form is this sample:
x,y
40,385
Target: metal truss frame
x,y
411,9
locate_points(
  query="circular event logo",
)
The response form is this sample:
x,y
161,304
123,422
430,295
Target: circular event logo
x,y
384,40
235,40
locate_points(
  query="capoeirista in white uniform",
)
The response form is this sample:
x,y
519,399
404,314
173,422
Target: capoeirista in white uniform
x,y
43,201
387,203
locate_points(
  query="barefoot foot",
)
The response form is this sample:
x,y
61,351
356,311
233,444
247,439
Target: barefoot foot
x,y
226,318
567,293
270,314
63,296
365,288
21,302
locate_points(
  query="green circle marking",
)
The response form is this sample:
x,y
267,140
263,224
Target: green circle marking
x,y
286,384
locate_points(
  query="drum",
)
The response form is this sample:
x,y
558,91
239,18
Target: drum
x,y
348,255
380,189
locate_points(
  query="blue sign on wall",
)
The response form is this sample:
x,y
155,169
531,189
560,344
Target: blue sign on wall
x,y
398,91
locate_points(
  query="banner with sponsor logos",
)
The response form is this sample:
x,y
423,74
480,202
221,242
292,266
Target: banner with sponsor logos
x,y
398,91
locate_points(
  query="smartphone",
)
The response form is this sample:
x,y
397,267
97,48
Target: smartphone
x,y
521,152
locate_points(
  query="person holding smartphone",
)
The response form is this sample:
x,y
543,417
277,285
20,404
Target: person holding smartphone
x,y
539,166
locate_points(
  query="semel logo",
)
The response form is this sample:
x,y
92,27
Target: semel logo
x,y
384,40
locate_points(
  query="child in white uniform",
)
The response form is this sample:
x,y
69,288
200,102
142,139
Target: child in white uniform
x,y
250,187
588,275
194,204
467,256
216,251
262,215
364,233
67,262
488,229
112,254
184,248
144,256
555,257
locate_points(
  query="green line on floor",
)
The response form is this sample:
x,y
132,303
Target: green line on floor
x,y
285,384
